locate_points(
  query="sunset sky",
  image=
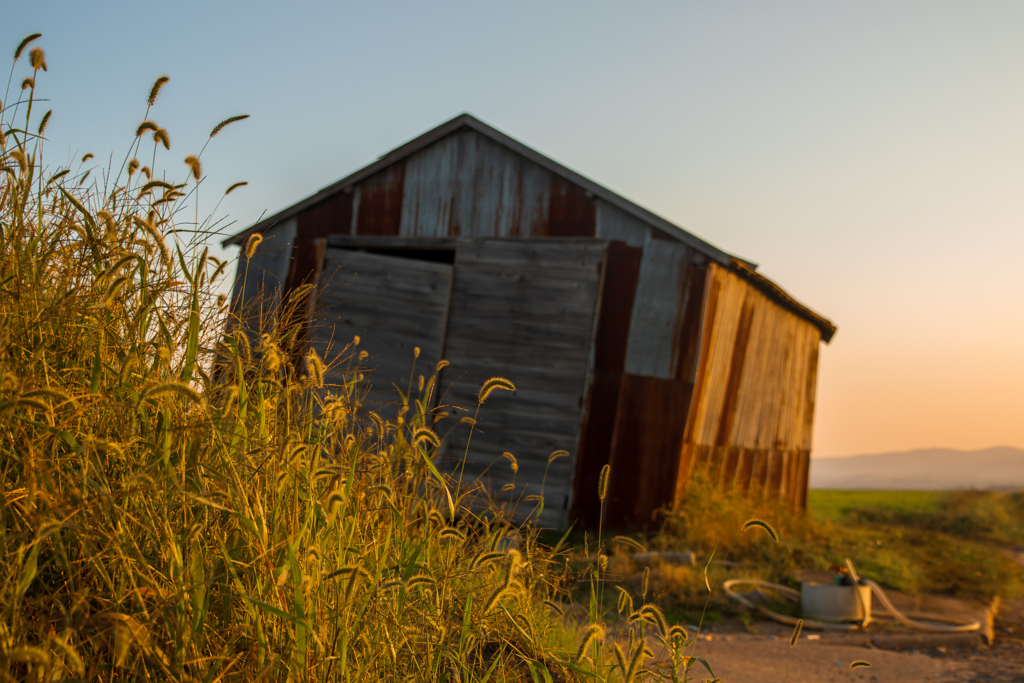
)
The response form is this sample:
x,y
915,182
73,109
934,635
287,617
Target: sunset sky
x,y
869,156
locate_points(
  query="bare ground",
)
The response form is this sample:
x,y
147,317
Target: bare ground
x,y
739,657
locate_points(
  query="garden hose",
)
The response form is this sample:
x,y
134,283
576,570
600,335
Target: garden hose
x,y
906,618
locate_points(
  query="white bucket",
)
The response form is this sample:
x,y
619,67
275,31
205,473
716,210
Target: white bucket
x,y
825,602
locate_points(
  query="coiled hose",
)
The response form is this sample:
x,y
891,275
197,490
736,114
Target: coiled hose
x,y
906,618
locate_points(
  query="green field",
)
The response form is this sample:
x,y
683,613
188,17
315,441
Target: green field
x,y
834,504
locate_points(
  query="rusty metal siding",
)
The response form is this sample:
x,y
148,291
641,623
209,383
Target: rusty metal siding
x,y
429,190
533,200
466,185
314,225
487,195
615,224
378,202
750,420
649,428
597,424
656,309
570,210
332,216
688,325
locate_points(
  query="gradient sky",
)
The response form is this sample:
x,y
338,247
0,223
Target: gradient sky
x,y
869,155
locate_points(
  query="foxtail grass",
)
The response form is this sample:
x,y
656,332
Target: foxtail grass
x,y
188,496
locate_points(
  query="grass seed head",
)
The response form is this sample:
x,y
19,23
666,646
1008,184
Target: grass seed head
x,y
760,523
192,161
620,657
161,136
234,187
251,242
335,500
316,368
20,158
602,483
146,125
227,122
46,119
657,617
154,92
555,455
555,607
796,632
452,533
593,632
24,43
37,59
155,391
495,383
426,434
513,463
496,596
630,542
859,663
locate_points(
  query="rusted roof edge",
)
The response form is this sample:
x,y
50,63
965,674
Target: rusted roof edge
x,y
469,121
780,296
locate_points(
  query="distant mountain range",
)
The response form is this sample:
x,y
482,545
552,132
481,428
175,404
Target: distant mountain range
x,y
928,469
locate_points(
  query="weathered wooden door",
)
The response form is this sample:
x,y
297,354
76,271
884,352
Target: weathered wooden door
x,y
522,310
394,304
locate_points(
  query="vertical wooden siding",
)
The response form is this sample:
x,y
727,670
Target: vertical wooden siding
x,y
750,418
523,310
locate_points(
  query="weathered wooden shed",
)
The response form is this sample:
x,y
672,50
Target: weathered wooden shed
x,y
630,340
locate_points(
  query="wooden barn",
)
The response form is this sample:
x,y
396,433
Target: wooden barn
x,y
630,341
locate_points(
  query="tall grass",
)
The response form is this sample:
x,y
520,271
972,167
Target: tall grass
x,y
184,498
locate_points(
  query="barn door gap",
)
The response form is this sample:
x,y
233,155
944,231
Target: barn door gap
x,y
432,255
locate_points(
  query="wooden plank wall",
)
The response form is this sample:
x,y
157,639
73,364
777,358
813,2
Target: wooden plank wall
x,y
750,419
395,305
524,310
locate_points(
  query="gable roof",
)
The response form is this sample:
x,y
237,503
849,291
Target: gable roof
x,y
467,121
473,123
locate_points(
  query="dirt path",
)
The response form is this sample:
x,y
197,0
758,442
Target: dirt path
x,y
760,659
739,657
